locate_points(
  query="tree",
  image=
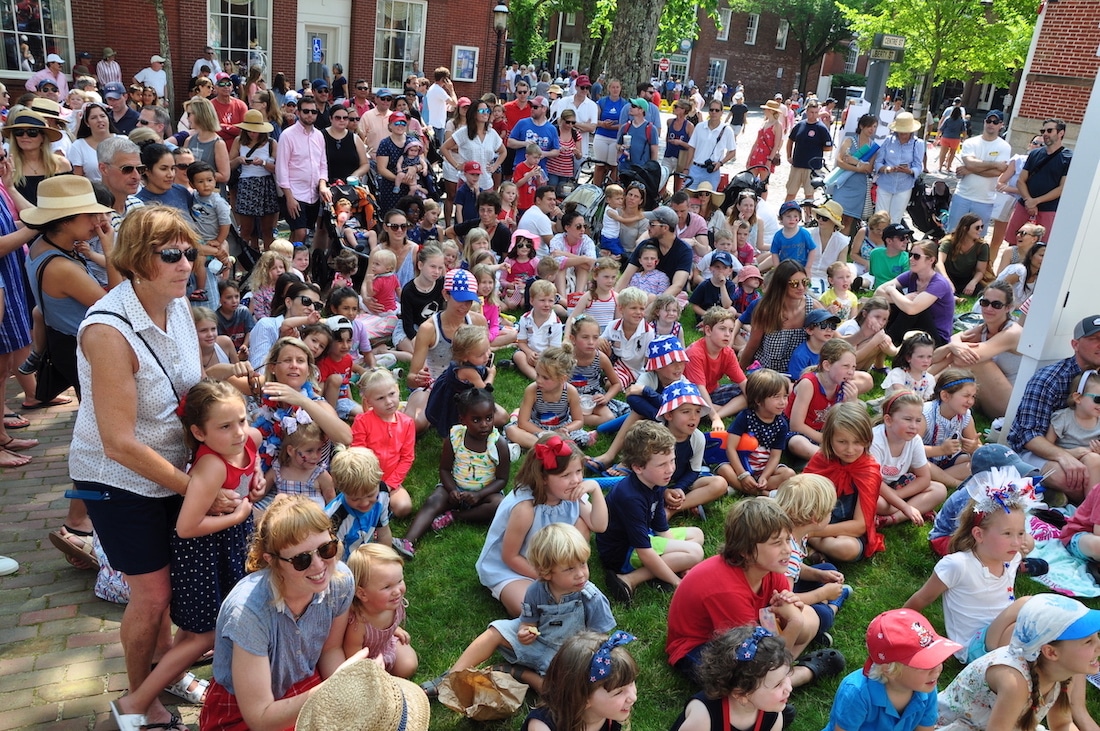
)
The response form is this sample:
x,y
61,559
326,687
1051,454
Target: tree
x,y
817,26
527,29
644,26
165,50
949,40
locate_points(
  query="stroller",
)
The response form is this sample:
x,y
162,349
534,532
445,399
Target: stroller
x,y
744,180
589,200
652,175
928,206
364,207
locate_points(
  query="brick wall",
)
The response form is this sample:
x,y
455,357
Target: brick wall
x,y
754,65
1064,64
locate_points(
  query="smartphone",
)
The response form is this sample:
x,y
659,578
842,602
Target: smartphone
x,y
492,358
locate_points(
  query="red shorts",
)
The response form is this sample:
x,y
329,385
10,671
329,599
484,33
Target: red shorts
x,y
939,545
220,710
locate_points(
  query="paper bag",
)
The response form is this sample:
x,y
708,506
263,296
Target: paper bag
x,y
482,694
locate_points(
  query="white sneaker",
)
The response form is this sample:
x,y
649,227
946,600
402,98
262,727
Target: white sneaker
x,y
513,452
385,360
8,566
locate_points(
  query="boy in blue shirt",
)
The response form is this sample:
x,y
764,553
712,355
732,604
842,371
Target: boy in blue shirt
x,y
638,546
719,289
360,512
792,241
820,328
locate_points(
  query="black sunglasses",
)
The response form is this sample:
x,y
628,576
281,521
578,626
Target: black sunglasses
x,y
25,133
128,169
303,561
362,88
179,165
171,256
995,305
914,255
354,119
308,301
309,111
397,226
827,325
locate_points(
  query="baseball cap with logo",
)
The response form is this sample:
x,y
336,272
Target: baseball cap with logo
x,y
906,637
336,323
897,231
461,285
1089,326
724,258
473,167
114,90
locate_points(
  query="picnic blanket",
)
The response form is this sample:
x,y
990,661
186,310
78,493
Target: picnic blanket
x,y
1067,574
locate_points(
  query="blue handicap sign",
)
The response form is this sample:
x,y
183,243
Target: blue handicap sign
x,y
316,50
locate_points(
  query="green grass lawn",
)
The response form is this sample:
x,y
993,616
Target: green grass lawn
x,y
448,607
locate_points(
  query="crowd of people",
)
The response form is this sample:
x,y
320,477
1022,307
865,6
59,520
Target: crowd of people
x,y
242,444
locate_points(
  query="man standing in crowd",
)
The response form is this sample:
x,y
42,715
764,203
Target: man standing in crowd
x,y
52,72
1043,178
711,146
537,129
323,94
154,75
230,110
984,158
210,59
108,70
126,119
587,111
156,118
361,99
806,148
514,111
440,100
375,124
301,170
736,119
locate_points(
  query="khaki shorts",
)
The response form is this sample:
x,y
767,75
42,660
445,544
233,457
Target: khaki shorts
x,y
799,178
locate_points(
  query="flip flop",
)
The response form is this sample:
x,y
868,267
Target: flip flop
x,y
126,721
618,589
618,470
594,465
18,445
11,459
173,722
59,401
77,548
13,420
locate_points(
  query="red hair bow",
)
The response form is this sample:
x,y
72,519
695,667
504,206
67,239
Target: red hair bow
x,y
548,452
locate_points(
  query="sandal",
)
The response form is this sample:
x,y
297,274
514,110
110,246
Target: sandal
x,y
431,688
76,545
173,722
618,470
516,671
190,688
18,445
594,466
198,295
442,521
618,589
126,721
823,663
13,420
885,521
1035,566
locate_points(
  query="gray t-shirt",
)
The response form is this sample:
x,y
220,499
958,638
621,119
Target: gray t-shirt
x,y
1069,433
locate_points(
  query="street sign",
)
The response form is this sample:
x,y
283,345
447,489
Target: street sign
x,y
664,65
882,54
892,41
316,50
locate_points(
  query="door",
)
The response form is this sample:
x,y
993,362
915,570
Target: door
x,y
321,43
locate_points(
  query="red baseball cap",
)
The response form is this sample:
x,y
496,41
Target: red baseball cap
x,y
472,166
905,636
397,117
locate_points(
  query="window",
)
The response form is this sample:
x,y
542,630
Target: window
x,y
32,30
781,35
716,73
570,18
240,29
398,41
751,28
724,23
852,58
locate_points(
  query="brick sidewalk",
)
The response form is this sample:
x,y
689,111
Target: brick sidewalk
x,y
60,657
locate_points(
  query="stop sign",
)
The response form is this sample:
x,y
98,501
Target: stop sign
x,y
664,65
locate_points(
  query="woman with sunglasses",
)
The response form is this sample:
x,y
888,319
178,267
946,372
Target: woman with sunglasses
x,y
137,353
265,101
29,138
1027,236
280,631
987,350
205,140
677,134
299,306
387,157
395,237
476,140
1022,276
778,318
921,298
964,256
96,125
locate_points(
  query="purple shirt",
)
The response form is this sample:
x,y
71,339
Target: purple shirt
x,y
943,309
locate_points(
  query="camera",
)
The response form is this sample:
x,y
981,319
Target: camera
x,y
710,166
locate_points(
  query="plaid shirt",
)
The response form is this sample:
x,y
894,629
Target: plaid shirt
x,y
1045,393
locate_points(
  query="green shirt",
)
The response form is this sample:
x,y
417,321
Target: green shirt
x,y
884,267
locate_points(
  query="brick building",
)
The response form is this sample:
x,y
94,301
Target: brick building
x,y
1060,70
379,40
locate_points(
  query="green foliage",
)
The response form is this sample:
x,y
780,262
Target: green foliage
x,y
680,20
955,40
527,28
848,80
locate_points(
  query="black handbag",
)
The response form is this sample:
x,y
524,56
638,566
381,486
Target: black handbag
x,y
51,380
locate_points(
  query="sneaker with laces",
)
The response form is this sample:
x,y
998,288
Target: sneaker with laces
x,y
30,365
385,360
444,520
404,547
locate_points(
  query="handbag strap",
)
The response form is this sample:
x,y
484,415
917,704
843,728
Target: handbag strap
x,y
42,292
147,347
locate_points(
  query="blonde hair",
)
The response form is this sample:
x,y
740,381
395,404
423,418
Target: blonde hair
x,y
881,673
1075,389
832,351
806,498
386,257
716,315
836,268
544,288
277,349
206,118
725,234
558,362
145,229
282,246
483,271
473,236
632,296
449,246
361,562
355,472
602,264
547,267
203,314
613,190
502,186
556,545
465,341
659,303
261,273
845,416
289,520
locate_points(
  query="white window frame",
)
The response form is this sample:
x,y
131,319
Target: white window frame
x,y
570,18
378,79
752,25
851,60
725,18
781,35
220,36
716,72
40,44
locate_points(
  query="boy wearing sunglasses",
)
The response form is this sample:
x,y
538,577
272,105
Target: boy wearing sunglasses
x,y
887,263
820,328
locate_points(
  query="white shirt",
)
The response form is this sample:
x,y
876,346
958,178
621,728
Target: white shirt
x,y
436,99
539,337
832,250
156,79
214,64
978,188
538,222
711,144
894,467
974,596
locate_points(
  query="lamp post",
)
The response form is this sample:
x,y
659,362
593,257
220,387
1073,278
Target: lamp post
x,y
500,24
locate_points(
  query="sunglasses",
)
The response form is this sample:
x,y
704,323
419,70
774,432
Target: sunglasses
x,y
524,245
129,169
569,122
827,325
1094,396
303,561
484,111
992,120
32,133
49,88
143,122
796,283
308,301
362,88
181,165
354,119
714,111
1022,232
309,111
341,118
171,256
400,124
397,226
914,255
225,83
524,91
995,305
1050,130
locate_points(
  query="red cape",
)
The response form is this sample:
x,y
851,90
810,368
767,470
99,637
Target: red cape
x,y
863,477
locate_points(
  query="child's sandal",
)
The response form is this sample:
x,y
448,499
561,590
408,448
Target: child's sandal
x,y
823,663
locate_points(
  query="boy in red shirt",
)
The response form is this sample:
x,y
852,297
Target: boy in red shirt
x,y
711,357
528,176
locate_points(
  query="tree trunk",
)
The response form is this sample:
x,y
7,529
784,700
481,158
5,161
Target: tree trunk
x,y
166,51
633,38
595,62
589,42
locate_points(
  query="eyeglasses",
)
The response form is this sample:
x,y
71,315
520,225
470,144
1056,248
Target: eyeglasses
x,y
523,91
144,122
129,169
303,561
827,325
1022,232
525,245
225,83
484,111
354,119
796,283
308,301
992,120
309,111
48,88
1049,130
340,118
657,223
362,88
995,305
579,227
397,226
714,111
25,133
322,90
569,122
171,256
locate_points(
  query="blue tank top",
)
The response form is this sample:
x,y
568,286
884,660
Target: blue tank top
x,y
63,314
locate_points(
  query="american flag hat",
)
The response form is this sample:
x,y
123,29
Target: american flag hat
x,y
681,393
664,351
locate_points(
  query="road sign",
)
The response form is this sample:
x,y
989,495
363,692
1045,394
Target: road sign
x,y
892,41
882,54
316,50
664,65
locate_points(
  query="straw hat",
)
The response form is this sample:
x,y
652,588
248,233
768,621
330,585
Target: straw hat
x,y
46,107
831,210
905,122
362,696
772,105
62,196
254,122
705,187
26,119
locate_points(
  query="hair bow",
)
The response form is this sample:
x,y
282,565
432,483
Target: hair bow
x,y
1002,488
747,650
181,405
548,452
600,667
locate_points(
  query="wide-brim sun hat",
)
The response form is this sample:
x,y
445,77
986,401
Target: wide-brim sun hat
x,y
705,187
26,119
772,105
362,696
60,197
46,107
254,122
905,122
831,210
